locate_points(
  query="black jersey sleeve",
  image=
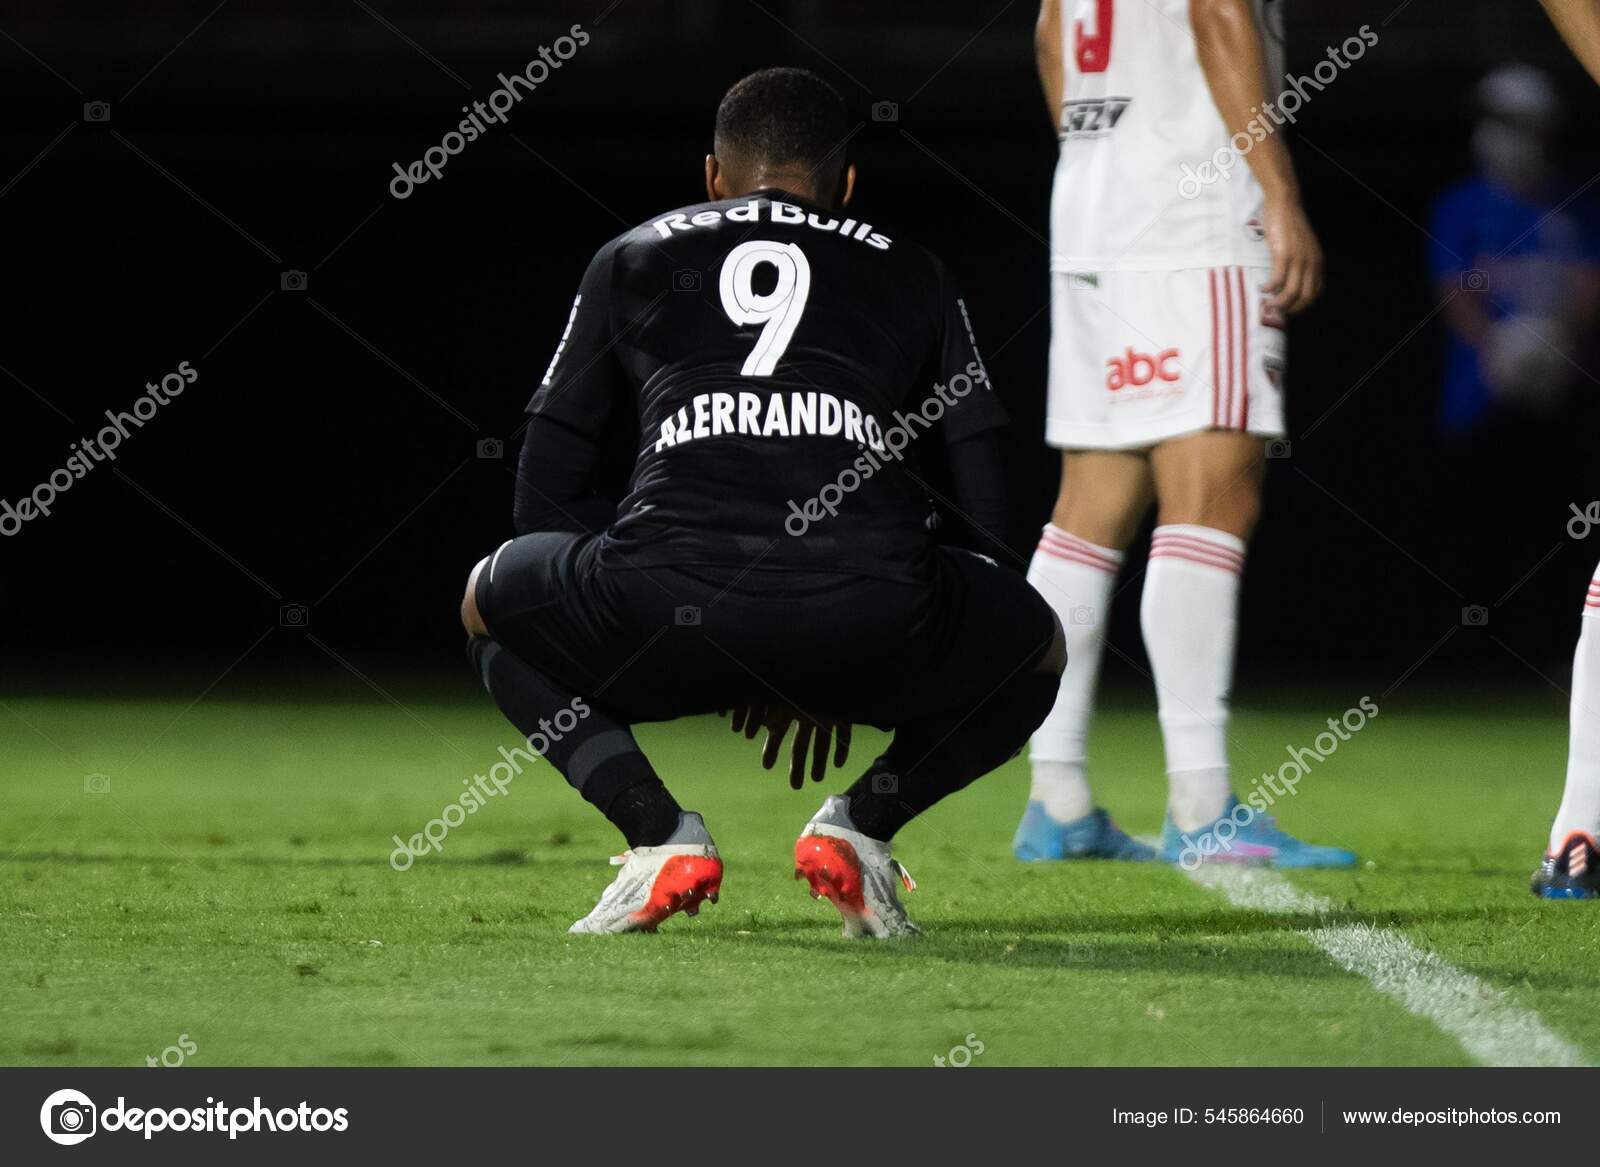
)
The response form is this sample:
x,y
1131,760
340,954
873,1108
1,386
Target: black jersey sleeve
x,y
584,384
977,472
972,404
556,480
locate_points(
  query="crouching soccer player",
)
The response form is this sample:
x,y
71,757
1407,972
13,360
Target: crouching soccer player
x,y
784,363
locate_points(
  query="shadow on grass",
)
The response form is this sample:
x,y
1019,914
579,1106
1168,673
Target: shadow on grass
x,y
1184,957
1193,942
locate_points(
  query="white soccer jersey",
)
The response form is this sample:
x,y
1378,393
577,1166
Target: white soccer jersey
x,y
1137,118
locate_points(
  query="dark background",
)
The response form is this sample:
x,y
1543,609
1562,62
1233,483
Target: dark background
x,y
328,455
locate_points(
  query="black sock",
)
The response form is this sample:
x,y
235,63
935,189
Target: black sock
x,y
645,813
596,754
926,762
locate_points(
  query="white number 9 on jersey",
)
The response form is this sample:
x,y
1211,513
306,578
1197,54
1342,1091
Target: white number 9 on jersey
x,y
779,310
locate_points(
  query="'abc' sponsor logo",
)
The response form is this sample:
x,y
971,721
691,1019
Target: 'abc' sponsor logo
x,y
1138,369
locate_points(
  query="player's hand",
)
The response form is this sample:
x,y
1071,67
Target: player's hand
x,y
1296,278
813,736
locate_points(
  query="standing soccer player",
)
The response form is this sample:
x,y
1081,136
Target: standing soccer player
x,y
1171,275
781,361
1571,866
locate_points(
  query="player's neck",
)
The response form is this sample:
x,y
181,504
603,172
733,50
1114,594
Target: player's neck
x,y
800,186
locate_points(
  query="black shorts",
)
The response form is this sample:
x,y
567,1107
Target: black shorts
x,y
658,643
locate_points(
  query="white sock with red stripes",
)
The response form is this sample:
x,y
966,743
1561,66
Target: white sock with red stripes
x,y
1580,804
1075,577
1190,620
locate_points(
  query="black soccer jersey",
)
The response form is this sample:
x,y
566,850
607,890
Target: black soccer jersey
x,y
784,363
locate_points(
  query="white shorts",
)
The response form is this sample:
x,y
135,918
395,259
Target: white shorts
x,y
1138,357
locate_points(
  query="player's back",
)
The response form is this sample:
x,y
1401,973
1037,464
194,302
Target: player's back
x,y
1137,118
773,352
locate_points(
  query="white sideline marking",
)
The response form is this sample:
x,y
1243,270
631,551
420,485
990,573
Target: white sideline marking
x,y
1490,1026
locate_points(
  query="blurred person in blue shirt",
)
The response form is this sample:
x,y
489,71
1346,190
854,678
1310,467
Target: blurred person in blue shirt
x,y
1519,256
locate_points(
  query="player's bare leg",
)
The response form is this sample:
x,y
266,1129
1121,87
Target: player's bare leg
x,y
1208,487
1103,499
1571,867
671,864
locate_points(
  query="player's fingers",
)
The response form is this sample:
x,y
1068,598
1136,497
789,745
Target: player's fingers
x,y
1291,298
797,755
755,718
1276,276
775,735
819,752
1314,280
841,744
1305,288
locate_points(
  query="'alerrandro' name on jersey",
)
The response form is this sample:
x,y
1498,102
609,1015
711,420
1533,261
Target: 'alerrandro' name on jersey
x,y
809,414
777,212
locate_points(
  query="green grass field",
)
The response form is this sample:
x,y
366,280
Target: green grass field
x,y
232,886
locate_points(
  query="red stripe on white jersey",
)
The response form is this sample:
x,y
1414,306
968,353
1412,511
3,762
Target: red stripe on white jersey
x,y
1227,397
1244,354
1216,365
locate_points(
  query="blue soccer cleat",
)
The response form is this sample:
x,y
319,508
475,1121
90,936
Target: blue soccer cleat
x,y
1571,872
1094,836
1245,836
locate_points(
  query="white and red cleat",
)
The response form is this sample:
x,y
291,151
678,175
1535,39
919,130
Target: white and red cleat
x,y
657,882
855,873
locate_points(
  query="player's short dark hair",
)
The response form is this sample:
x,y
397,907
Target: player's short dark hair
x,y
784,117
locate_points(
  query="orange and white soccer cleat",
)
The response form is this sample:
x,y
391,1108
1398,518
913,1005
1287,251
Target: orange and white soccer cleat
x,y
657,882
856,873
